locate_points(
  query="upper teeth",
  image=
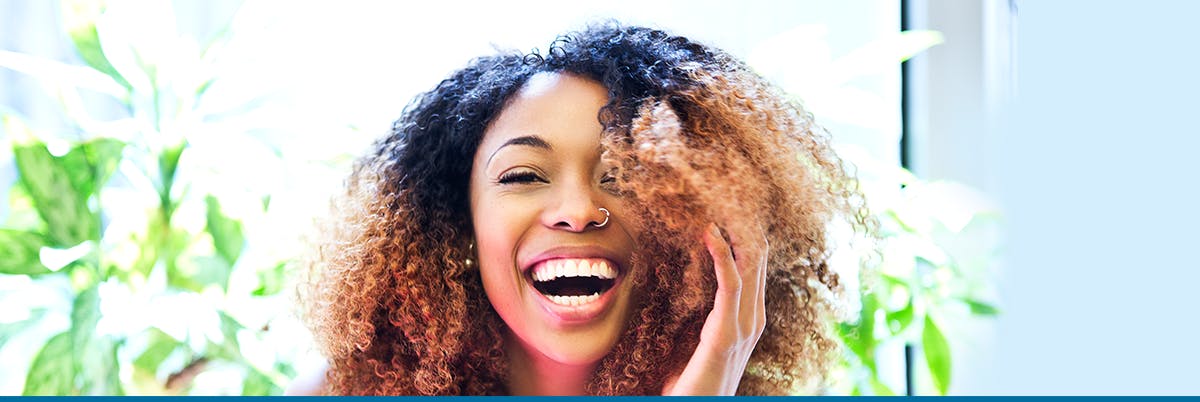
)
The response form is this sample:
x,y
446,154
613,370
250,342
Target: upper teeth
x,y
570,267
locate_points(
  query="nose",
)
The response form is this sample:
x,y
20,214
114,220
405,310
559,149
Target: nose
x,y
576,211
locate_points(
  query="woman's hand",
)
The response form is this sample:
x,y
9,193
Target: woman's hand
x,y
737,318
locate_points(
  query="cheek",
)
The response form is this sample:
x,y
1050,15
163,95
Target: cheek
x,y
499,228
497,231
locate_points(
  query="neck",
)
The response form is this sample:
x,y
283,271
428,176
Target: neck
x,y
532,373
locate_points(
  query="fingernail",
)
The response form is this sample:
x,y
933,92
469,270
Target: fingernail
x,y
712,228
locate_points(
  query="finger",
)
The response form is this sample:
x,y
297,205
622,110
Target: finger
x,y
721,324
761,304
724,264
749,243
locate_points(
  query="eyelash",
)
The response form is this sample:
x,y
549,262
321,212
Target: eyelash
x,y
527,177
608,178
519,177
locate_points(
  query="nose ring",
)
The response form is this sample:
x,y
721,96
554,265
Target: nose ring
x,y
606,216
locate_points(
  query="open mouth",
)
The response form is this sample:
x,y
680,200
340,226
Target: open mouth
x,y
573,282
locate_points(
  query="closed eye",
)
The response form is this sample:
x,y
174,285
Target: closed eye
x,y
608,178
608,182
520,177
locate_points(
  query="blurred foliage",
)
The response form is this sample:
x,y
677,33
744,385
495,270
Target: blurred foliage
x,y
936,254
929,272
124,220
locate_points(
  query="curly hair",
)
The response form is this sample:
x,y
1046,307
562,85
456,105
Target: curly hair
x,y
694,136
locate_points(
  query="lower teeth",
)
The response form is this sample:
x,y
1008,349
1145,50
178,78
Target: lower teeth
x,y
574,300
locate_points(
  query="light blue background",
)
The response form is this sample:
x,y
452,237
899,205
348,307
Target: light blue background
x,y
1098,176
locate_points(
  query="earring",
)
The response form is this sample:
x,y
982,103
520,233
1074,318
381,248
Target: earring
x,y
468,262
606,216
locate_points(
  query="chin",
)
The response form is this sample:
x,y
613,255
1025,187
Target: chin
x,y
576,349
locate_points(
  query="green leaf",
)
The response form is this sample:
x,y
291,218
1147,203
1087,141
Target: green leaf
x,y
271,281
22,214
899,320
879,388
159,347
200,90
258,384
49,183
226,232
53,370
113,379
190,273
937,355
85,314
19,253
157,242
62,74
91,163
198,272
99,369
9,330
860,336
981,308
900,221
80,16
285,368
228,348
168,163
230,328
894,281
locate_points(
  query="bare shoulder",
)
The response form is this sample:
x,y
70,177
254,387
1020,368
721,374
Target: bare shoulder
x,y
310,382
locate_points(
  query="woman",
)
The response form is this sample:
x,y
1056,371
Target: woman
x,y
630,213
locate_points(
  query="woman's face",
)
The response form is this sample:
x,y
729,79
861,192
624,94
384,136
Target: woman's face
x,y
556,276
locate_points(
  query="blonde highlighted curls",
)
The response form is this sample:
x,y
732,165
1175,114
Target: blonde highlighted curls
x,y
695,137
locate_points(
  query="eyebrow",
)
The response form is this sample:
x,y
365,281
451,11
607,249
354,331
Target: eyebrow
x,y
527,140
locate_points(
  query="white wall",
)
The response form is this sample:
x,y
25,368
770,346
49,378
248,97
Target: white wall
x,y
1096,168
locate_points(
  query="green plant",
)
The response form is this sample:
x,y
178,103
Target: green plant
x,y
147,238
930,266
937,244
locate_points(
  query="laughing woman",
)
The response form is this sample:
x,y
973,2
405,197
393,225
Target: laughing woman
x,y
630,213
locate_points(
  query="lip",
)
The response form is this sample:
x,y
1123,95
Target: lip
x,y
573,315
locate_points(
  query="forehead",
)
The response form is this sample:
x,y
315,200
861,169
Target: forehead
x,y
562,109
